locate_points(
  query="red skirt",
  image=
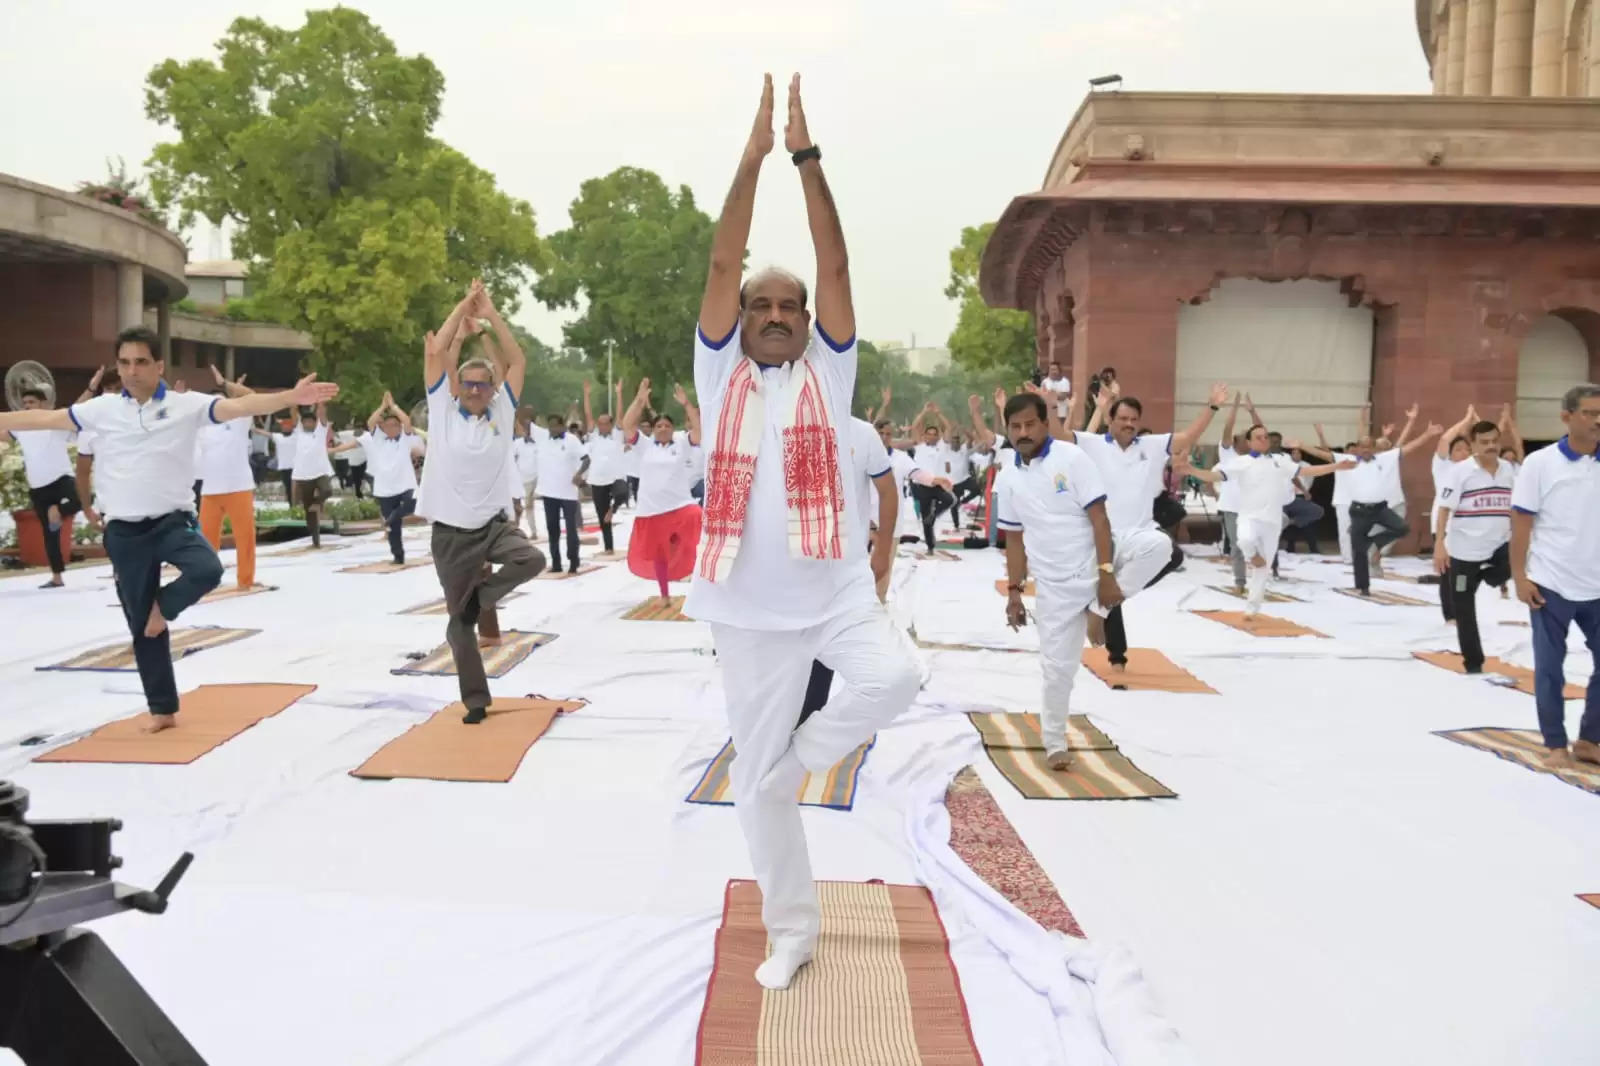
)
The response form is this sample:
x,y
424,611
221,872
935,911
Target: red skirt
x,y
674,536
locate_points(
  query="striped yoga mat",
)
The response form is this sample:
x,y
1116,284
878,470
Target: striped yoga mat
x,y
514,647
185,641
1387,599
1147,671
835,790
387,566
1524,747
1262,625
656,610
232,592
1012,743
437,607
1021,731
1270,597
1451,661
567,575
881,989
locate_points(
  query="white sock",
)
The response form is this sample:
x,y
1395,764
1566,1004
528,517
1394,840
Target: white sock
x,y
781,966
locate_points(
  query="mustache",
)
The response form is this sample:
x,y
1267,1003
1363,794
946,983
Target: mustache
x,y
776,327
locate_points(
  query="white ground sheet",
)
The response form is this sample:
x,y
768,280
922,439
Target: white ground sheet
x,y
1333,885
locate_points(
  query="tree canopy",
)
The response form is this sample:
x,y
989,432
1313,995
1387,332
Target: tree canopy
x,y
986,338
634,259
360,227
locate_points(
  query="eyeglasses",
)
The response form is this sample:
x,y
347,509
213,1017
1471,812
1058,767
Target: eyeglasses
x,y
477,386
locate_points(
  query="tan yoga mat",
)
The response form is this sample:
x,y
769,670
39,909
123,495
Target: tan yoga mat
x,y
444,748
232,592
208,716
1451,661
1269,597
185,641
880,991
656,610
567,575
1526,748
515,646
1147,671
1021,731
438,607
1003,587
1387,599
1262,625
387,566
1591,898
305,550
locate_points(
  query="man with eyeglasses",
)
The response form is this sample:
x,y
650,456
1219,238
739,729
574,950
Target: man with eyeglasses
x,y
469,480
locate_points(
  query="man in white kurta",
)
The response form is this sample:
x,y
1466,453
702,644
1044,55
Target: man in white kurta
x,y
783,577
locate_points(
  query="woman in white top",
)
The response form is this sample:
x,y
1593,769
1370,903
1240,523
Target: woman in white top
x,y
666,533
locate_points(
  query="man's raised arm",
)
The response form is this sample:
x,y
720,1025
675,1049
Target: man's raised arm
x,y
506,352
836,312
719,307
309,392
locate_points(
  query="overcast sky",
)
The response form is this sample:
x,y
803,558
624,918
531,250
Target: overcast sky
x,y
932,114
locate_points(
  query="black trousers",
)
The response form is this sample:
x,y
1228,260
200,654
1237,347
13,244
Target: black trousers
x,y
395,510
62,494
932,502
555,511
633,489
1363,516
137,551
1300,518
288,484
964,491
606,499
816,691
1461,583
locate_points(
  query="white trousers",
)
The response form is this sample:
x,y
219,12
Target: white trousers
x,y
764,677
1342,515
1060,612
1138,558
1259,536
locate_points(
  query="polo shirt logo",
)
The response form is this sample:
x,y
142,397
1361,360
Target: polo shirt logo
x,y
161,413
1061,483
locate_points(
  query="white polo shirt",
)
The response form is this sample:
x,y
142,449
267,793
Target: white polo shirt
x,y
934,458
1227,491
1480,508
1133,476
1260,481
284,455
525,453
667,473
311,453
468,475
1372,479
1561,489
605,457
559,460
44,455
223,462
767,588
389,461
144,453
1048,500
869,459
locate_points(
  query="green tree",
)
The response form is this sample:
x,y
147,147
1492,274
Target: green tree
x,y
360,227
634,258
986,338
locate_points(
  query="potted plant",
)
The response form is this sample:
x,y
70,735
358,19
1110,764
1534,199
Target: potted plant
x,y
15,499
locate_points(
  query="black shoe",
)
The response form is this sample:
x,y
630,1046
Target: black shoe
x,y
1472,669
475,715
574,569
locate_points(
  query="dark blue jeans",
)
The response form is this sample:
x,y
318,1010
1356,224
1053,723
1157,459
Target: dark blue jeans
x,y
137,551
1550,624
395,510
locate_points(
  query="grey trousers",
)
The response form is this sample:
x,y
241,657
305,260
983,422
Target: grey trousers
x,y
1230,526
459,556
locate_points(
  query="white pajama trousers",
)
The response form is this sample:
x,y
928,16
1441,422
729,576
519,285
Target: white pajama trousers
x,y
1060,613
1259,536
764,677
1139,557
1341,513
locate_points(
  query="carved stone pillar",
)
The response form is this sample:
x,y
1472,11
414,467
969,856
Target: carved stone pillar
x,y
1513,47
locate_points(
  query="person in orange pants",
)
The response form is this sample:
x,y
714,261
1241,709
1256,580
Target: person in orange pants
x,y
227,484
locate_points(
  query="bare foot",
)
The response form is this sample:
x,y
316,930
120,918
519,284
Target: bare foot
x,y
488,642
1558,759
1059,760
159,722
157,624
1586,751
1097,630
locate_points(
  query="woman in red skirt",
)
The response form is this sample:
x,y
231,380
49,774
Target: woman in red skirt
x,y
666,531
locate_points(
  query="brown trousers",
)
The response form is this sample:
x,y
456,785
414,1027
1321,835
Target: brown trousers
x,y
463,559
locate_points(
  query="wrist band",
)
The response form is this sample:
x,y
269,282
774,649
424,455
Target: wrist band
x,y
1214,407
807,153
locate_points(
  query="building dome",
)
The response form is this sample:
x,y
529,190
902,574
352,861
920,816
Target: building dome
x,y
1511,47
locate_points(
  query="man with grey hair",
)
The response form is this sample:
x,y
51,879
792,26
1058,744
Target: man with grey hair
x,y
1555,561
468,482
783,575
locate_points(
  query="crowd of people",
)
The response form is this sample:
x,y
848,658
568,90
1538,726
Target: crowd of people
x,y
786,510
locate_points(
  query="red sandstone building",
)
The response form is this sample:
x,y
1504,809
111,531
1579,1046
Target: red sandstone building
x,y
1319,252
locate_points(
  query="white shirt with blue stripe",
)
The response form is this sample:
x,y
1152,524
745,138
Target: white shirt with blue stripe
x,y
468,477
1048,499
144,452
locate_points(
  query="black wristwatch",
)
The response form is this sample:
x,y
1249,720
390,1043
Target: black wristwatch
x,y
807,153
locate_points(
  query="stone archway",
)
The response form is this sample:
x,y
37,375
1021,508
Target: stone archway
x,y
1559,350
